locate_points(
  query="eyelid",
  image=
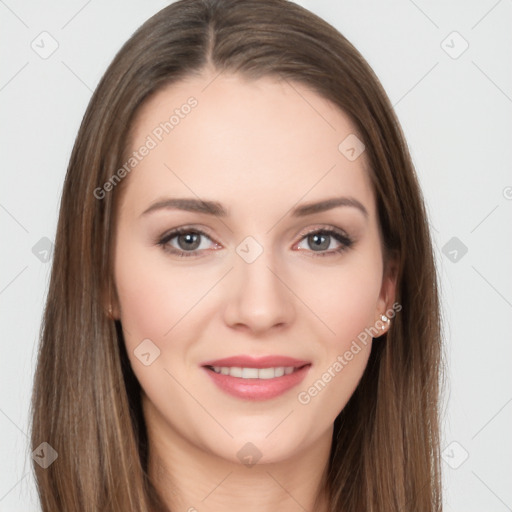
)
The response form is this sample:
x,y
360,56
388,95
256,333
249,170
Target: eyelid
x,y
340,235
186,229
346,241
163,240
323,227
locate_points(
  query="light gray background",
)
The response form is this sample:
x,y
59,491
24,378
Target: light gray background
x,y
456,114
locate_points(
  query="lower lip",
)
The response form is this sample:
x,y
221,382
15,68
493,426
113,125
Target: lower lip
x,y
257,389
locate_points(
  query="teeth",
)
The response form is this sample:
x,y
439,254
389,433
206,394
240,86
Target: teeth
x,y
249,373
267,373
279,371
235,371
254,373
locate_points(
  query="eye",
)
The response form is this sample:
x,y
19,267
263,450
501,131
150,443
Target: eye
x,y
185,242
326,242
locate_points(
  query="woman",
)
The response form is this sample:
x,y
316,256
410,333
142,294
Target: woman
x,y
243,309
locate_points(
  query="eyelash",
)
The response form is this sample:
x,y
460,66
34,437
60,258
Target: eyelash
x,y
345,241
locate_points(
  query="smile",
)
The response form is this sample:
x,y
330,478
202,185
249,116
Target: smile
x,y
252,378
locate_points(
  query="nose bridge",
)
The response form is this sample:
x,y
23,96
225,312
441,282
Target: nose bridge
x,y
259,300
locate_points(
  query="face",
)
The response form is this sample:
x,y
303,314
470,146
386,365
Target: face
x,y
243,266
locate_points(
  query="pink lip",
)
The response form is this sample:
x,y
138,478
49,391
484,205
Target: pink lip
x,y
257,362
257,389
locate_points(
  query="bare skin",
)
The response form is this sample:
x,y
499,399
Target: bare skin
x,y
261,149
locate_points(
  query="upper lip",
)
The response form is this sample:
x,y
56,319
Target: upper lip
x,y
270,361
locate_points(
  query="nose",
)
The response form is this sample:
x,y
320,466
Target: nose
x,y
260,299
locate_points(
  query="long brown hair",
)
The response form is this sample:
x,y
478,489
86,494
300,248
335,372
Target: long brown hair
x,y
86,399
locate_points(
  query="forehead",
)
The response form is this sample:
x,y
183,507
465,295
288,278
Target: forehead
x,y
246,143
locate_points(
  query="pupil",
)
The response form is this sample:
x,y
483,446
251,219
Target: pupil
x,y
190,241
319,241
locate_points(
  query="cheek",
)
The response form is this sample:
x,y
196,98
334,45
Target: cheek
x,y
143,299
345,298
153,296
347,309
157,304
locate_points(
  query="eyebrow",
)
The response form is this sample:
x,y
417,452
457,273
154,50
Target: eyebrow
x,y
217,209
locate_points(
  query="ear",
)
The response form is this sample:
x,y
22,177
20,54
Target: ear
x,y
387,293
111,304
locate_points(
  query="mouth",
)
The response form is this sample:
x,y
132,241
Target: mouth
x,y
256,378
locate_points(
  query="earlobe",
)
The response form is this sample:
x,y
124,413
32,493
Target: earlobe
x,y
385,323
113,310
381,326
111,306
